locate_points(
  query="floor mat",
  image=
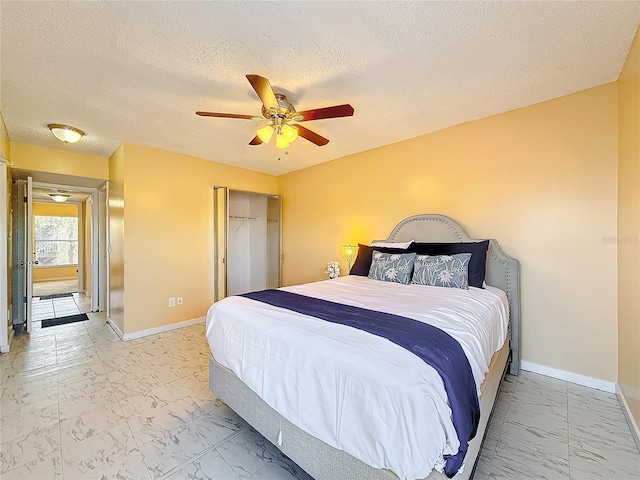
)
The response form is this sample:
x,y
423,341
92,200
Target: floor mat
x,y
52,322
55,295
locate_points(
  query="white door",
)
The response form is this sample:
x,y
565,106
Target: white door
x,y
31,255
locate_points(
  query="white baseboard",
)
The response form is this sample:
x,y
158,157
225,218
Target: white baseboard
x,y
6,348
569,376
152,331
115,327
635,431
155,330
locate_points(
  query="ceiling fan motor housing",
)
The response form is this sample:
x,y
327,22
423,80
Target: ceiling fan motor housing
x,y
286,108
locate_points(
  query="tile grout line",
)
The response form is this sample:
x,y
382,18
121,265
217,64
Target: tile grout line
x,y
126,419
58,408
204,452
177,468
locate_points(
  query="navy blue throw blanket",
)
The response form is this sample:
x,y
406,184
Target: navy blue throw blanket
x,y
435,347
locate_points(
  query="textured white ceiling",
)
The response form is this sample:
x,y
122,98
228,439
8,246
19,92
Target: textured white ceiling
x,y
137,71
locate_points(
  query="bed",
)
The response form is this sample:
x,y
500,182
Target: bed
x,y
319,442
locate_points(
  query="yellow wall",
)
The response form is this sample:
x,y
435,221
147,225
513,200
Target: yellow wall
x,y
42,159
4,140
629,230
116,237
541,180
169,232
41,274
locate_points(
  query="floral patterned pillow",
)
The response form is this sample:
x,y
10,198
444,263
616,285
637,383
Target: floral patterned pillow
x,y
442,270
392,267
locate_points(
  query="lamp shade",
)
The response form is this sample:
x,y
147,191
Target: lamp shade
x,y
281,141
349,253
65,133
289,132
59,197
265,133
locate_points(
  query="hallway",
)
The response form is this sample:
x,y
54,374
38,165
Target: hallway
x,y
66,300
73,304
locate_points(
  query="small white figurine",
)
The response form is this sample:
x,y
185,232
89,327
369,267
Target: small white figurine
x,y
333,269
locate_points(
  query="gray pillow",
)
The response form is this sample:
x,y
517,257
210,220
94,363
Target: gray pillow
x,y
392,267
442,270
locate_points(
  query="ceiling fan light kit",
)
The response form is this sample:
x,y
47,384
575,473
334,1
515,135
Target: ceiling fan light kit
x,y
280,112
65,133
284,136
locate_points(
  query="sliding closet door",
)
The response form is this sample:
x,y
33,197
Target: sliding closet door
x,y
220,227
274,245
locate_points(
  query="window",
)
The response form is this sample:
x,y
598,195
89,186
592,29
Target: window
x,y
56,240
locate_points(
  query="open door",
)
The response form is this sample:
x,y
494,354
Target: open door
x,y
23,255
31,255
220,226
5,262
102,248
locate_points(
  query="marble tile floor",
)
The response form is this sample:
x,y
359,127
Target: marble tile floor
x,y
59,307
77,403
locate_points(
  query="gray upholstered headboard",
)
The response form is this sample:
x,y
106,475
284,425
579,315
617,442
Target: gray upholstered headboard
x,y
502,271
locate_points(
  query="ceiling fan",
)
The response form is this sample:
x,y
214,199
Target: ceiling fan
x,y
281,114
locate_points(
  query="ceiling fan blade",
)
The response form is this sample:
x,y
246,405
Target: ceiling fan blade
x,y
263,88
256,141
311,136
345,110
224,115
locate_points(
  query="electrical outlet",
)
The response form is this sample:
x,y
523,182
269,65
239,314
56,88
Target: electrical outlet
x,y
179,300
172,301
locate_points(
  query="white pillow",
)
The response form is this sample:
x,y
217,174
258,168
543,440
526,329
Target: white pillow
x,y
403,245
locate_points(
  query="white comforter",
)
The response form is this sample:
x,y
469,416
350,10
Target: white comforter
x,y
355,391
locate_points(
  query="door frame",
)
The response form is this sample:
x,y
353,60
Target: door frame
x,y
103,247
221,232
95,237
5,318
30,255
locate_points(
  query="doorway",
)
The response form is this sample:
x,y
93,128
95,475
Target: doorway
x,y
58,255
56,237
62,250
248,247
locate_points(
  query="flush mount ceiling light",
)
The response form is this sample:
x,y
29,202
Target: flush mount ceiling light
x,y
65,133
59,197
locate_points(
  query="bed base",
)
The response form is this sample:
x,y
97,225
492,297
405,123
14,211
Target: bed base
x,y
322,461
